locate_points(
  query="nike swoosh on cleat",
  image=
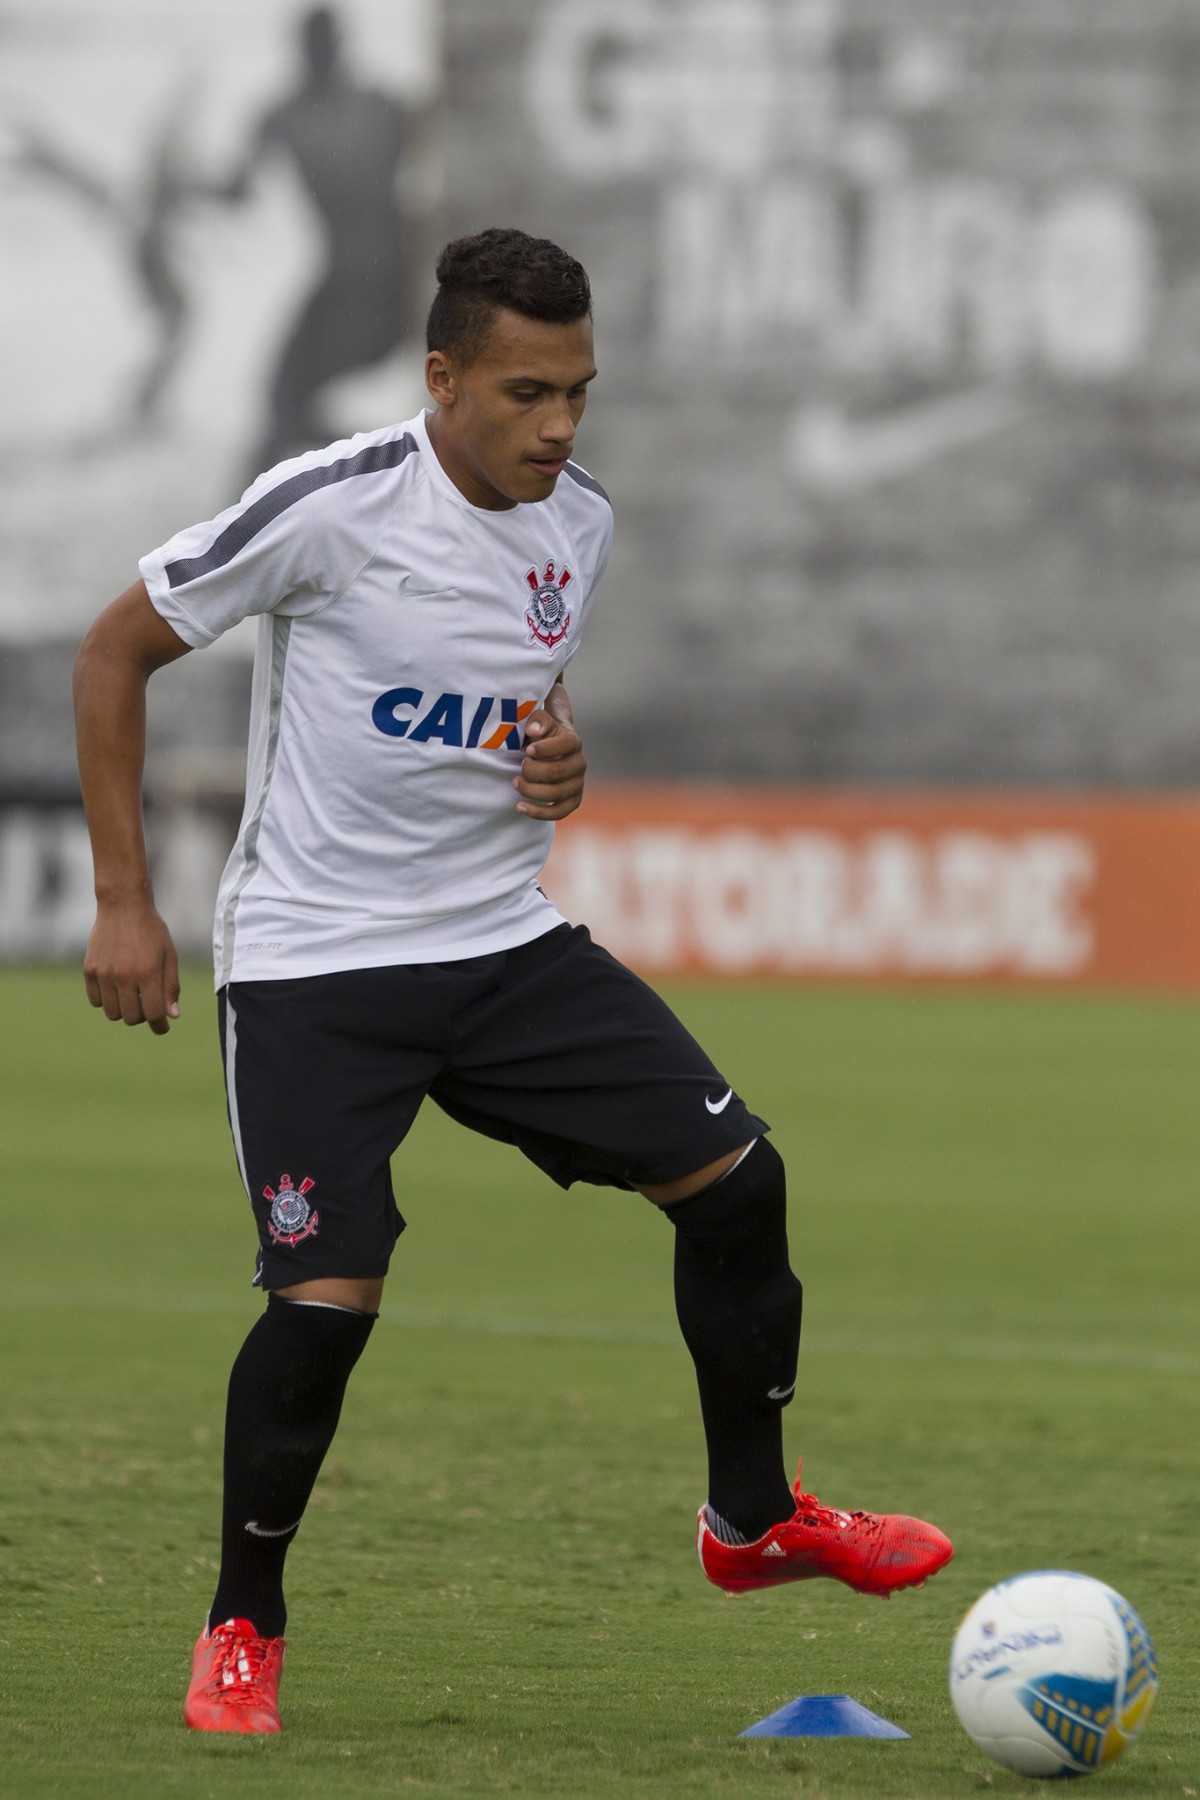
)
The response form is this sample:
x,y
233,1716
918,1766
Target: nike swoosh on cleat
x,y
716,1106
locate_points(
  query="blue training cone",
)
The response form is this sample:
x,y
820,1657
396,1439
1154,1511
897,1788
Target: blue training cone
x,y
824,1716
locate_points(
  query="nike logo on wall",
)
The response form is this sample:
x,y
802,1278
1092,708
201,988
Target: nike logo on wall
x,y
831,453
717,1106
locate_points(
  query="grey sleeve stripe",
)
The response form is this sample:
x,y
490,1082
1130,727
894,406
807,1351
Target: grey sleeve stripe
x,y
584,480
371,461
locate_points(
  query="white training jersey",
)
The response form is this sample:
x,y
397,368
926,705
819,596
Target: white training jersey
x,y
404,636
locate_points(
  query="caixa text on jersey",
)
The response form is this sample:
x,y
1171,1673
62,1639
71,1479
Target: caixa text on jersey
x,y
395,714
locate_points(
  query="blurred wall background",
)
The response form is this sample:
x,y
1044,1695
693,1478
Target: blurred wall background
x,y
898,308
899,313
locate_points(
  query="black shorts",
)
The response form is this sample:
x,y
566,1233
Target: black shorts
x,y
553,1046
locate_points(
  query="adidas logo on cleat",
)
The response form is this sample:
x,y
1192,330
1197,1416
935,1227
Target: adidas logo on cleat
x,y
774,1549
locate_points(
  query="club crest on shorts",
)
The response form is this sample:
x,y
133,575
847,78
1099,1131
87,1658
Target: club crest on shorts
x,y
546,615
292,1218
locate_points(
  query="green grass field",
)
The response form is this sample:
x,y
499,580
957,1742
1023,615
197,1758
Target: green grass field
x,y
995,1216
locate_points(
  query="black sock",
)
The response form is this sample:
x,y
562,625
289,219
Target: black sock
x,y
739,1310
285,1398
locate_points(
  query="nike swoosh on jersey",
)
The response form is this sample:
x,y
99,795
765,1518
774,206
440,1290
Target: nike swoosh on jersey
x,y
831,453
409,590
717,1106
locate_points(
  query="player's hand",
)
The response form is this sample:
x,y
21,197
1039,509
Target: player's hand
x,y
551,780
131,970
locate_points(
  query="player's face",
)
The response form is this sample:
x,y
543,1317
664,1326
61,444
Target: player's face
x,y
505,425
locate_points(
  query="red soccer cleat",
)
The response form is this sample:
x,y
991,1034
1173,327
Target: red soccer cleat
x,y
235,1680
872,1553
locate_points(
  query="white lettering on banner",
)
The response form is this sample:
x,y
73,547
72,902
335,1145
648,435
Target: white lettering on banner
x,y
46,899
594,58
641,86
730,896
1095,273
790,209
941,267
742,901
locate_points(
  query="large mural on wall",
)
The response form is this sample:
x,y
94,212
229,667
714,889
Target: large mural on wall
x,y
899,317
215,226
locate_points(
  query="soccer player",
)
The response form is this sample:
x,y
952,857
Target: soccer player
x,y
381,934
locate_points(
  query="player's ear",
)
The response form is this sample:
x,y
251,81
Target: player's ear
x,y
440,378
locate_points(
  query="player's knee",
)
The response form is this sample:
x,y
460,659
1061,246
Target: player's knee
x,y
749,1199
740,1304
731,1264
668,1193
350,1294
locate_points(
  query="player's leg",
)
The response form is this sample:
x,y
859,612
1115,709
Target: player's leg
x,y
739,1308
316,1109
284,1401
582,1066
576,1043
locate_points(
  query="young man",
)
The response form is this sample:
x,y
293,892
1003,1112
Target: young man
x,y
381,936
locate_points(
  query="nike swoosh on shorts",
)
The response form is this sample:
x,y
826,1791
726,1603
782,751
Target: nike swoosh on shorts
x,y
717,1106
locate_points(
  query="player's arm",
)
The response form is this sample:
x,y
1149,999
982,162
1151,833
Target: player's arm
x,y
551,780
130,968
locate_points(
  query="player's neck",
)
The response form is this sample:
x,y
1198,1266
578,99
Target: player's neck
x,y
470,484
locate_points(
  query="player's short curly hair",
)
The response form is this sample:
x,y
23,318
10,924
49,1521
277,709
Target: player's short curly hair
x,y
501,268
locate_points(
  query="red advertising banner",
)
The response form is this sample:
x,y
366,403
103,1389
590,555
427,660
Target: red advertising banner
x,y
1052,889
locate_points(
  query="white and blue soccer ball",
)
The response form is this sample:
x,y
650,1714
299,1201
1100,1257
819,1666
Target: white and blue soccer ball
x,y
1053,1673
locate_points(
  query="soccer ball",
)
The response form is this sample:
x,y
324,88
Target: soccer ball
x,y
1053,1673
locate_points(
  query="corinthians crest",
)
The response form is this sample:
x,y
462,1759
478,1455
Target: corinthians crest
x,y
546,615
292,1218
